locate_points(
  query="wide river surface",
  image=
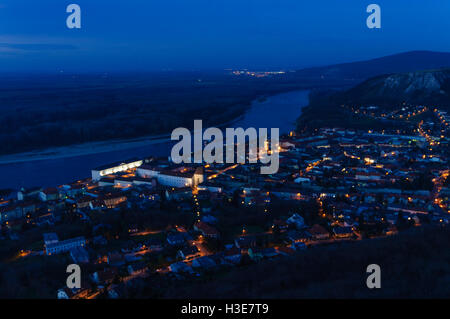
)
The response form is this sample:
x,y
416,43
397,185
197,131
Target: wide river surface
x,y
276,111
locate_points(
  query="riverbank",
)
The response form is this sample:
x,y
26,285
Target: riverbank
x,y
83,149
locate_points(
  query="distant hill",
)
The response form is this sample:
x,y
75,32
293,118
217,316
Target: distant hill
x,y
422,87
397,63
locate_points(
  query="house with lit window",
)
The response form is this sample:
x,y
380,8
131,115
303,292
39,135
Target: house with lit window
x,y
10,212
318,232
65,245
206,230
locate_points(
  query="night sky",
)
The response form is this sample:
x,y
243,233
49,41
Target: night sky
x,y
148,35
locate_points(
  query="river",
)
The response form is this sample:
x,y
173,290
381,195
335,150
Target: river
x,y
279,110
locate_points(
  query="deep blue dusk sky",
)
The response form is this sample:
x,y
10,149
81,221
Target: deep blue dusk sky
x,y
120,35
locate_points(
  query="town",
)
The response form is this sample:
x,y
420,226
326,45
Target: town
x,y
143,219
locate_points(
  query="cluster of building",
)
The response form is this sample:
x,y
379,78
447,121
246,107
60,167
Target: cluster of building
x,y
361,184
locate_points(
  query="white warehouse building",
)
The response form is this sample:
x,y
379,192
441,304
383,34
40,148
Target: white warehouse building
x,y
172,178
104,170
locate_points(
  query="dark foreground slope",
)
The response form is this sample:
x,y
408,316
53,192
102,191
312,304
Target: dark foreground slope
x,y
396,63
414,264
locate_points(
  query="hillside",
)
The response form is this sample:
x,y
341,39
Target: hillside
x,y
421,87
397,63
414,265
430,87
